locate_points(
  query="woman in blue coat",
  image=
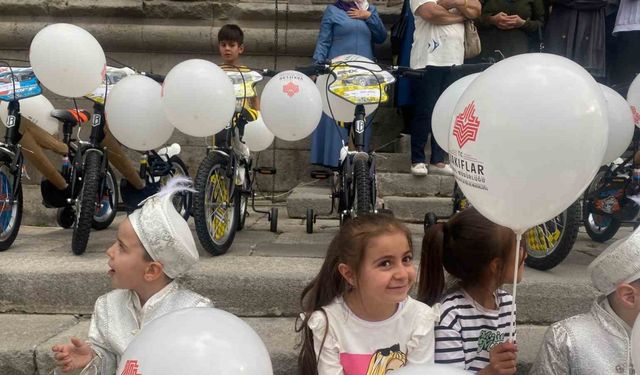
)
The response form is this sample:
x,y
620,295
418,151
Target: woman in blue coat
x,y
347,27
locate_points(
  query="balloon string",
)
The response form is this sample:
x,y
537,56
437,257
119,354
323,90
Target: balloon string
x,y
512,330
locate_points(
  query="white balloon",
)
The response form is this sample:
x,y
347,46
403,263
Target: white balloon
x,y
197,341
620,125
198,98
134,114
430,369
36,109
528,137
257,136
290,105
633,97
67,59
336,107
635,343
443,110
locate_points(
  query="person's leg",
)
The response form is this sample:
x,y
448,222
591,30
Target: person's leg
x,y
119,159
419,132
437,79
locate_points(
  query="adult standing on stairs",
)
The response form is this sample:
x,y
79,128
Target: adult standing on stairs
x,y
347,27
438,44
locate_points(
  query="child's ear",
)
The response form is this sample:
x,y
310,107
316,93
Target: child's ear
x,y
347,274
154,271
626,294
241,49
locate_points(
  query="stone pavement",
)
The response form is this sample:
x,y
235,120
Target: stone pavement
x,y
47,294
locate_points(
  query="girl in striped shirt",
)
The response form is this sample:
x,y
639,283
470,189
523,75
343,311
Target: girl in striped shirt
x,y
475,315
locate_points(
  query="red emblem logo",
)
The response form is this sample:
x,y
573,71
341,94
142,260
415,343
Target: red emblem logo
x,y
636,115
467,124
131,368
290,89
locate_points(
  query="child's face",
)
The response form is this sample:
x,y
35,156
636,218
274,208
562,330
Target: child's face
x,y
230,51
126,259
509,267
387,272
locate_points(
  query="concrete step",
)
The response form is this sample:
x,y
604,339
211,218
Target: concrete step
x,y
304,196
393,162
26,348
413,209
408,185
262,275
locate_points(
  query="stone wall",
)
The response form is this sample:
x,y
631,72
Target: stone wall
x,y
155,35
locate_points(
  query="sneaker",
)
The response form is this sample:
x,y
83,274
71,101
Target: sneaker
x,y
446,170
419,169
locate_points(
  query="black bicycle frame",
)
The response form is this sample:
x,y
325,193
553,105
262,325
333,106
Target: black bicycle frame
x,y
11,146
359,125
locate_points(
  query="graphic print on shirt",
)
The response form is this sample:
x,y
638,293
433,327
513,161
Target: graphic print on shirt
x,y
431,46
380,362
488,339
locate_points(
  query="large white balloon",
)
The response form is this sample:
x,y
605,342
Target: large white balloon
x,y
67,59
443,110
430,369
620,125
336,107
134,114
196,341
291,106
257,136
198,98
528,136
36,109
635,343
633,97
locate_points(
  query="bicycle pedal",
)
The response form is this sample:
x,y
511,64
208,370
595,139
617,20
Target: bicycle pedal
x,y
265,170
321,175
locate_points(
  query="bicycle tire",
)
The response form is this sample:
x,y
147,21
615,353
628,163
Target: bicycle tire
x,y
9,236
244,201
565,243
215,165
104,221
86,202
363,186
183,201
598,233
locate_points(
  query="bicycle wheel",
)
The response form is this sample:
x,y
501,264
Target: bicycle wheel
x,y
182,201
216,209
86,203
549,244
600,228
244,200
106,210
362,178
10,208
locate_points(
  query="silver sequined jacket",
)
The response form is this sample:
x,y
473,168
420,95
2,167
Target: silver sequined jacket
x,y
594,343
117,318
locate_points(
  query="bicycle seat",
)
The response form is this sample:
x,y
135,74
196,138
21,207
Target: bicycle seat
x,y
71,116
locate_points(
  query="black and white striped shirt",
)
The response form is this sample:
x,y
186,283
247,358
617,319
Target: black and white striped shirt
x,y
467,331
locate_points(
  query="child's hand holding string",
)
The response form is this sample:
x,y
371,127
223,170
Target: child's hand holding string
x,y
73,356
502,360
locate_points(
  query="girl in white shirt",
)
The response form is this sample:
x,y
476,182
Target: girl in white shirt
x,y
357,316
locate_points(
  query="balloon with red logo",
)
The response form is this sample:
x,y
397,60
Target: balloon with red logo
x,y
291,105
527,137
196,341
443,110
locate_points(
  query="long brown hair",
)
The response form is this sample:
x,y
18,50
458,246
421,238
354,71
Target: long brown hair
x,y
348,247
464,247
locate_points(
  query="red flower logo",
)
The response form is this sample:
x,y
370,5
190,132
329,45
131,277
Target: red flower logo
x,y
467,124
636,115
290,89
131,368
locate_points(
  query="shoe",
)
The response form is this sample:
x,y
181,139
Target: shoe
x,y
446,170
52,197
419,169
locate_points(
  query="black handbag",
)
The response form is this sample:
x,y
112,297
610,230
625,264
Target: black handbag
x,y
398,30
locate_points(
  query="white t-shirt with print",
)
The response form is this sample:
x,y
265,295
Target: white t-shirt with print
x,y
353,346
437,45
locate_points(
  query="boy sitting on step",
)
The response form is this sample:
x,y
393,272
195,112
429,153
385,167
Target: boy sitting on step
x,y
599,342
153,247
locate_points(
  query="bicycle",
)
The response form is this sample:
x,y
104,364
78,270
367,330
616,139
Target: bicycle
x,y
224,180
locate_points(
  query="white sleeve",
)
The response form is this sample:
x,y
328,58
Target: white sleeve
x,y
415,4
325,345
107,361
421,345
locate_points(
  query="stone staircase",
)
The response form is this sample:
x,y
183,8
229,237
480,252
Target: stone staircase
x,y
408,196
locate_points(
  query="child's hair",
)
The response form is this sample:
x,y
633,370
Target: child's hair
x,y
386,359
464,246
231,33
348,247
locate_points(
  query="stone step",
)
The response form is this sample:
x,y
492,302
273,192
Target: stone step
x,y
413,209
408,185
27,342
303,197
393,162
